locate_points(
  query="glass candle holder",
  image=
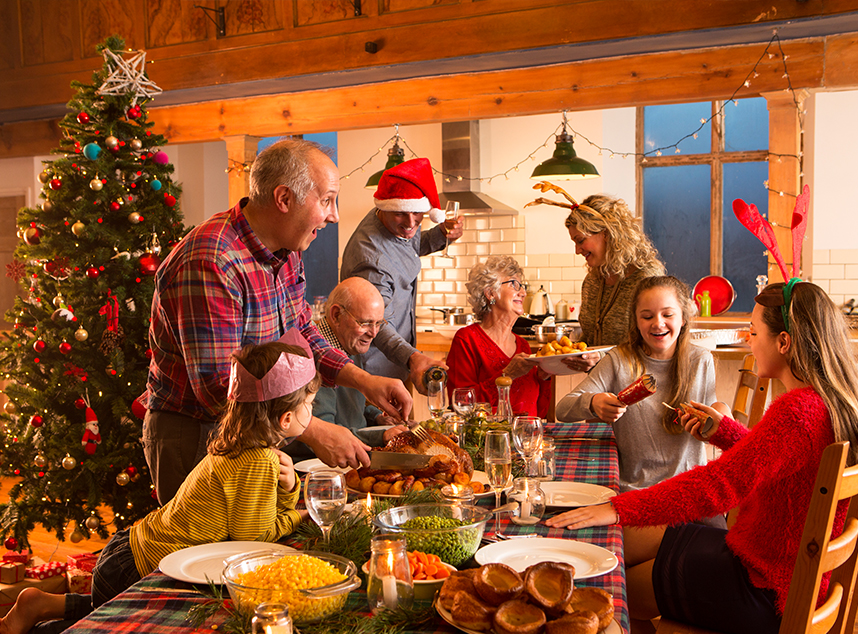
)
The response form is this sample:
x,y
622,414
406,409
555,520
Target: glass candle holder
x,y
546,463
531,501
271,618
389,581
460,494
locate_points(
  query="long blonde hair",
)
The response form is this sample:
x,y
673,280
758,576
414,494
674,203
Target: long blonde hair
x,y
627,247
245,425
634,353
821,353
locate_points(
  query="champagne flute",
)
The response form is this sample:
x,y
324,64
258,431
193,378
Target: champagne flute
x,y
527,437
498,460
436,394
463,401
450,213
325,496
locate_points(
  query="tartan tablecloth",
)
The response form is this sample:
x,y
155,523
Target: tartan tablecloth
x,y
158,604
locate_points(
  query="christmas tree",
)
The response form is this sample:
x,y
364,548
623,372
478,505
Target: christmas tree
x,y
78,355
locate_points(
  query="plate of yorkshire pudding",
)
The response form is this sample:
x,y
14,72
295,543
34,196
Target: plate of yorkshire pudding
x,y
543,598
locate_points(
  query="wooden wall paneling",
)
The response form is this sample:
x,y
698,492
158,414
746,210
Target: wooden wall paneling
x,y
99,19
322,11
10,36
31,32
784,171
392,6
58,31
842,72
29,138
252,16
170,22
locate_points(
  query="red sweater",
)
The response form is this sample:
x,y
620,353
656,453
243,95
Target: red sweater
x,y
768,472
476,361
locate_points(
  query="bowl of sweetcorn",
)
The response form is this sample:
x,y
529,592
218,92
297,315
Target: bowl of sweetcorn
x,y
313,584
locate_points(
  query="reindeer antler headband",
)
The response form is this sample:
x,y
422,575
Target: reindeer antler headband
x,y
754,222
288,374
572,205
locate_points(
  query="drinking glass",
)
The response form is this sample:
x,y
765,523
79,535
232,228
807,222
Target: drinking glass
x,y
527,437
451,212
463,401
437,396
325,496
498,461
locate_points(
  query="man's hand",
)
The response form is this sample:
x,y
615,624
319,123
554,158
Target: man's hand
x,y
454,227
418,363
334,445
287,471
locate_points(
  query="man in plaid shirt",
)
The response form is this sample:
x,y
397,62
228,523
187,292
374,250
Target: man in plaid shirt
x,y
238,279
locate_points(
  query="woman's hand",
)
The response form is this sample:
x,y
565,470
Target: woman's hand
x,y
607,407
599,515
287,472
694,426
582,363
519,365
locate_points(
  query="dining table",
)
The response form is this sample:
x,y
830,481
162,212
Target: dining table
x,y
585,453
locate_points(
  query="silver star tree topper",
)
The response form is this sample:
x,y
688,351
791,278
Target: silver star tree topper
x,y
128,77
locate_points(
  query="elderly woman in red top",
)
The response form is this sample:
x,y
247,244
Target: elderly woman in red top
x,y
482,352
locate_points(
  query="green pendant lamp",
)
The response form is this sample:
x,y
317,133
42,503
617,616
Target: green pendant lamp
x,y
565,164
395,156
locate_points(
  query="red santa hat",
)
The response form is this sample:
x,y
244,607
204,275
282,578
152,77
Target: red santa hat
x,y
410,186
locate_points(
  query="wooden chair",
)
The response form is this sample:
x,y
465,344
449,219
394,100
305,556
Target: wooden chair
x,y
818,554
751,394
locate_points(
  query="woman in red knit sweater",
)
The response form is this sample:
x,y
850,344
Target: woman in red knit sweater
x,y
738,580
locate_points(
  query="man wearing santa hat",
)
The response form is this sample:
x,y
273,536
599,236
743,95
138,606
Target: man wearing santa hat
x,y
385,249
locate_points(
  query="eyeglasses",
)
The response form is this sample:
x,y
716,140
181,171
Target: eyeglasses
x,y
516,285
366,325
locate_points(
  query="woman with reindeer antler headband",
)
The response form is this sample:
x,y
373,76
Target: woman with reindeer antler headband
x,y
738,580
618,256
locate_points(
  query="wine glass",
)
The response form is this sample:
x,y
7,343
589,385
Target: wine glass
x,y
325,496
498,461
436,393
463,401
450,213
527,437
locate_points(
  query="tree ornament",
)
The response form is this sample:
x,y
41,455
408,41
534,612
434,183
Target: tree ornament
x,y
155,184
36,421
122,479
149,263
82,118
81,334
96,185
92,273
76,537
136,145
44,177
32,236
56,183
115,206
111,142
127,76
133,473
91,438
78,228
40,460
65,347
134,218
155,244
113,335
62,314
169,200
92,522
138,408
10,408
47,205
39,346
79,403
11,543
57,269
16,270
160,158
91,151
69,463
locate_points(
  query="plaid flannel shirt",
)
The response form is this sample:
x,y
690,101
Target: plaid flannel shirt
x,y
218,290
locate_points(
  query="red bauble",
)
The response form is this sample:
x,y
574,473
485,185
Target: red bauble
x,y
57,269
36,420
115,206
92,273
80,403
169,200
11,543
148,353
56,183
82,118
32,236
39,346
149,263
65,347
138,408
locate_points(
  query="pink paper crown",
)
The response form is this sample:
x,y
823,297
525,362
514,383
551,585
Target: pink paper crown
x,y
288,374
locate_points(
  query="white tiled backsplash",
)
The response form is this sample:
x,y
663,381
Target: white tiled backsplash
x,y
442,280
836,271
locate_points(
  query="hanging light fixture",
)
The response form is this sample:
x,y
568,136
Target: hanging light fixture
x,y
565,164
395,156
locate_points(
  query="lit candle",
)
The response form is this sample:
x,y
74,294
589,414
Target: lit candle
x,y
388,584
368,504
525,503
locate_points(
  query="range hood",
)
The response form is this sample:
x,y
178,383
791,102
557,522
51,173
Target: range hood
x,y
460,158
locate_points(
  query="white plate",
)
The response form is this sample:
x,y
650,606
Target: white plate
x,y
554,363
478,476
613,628
199,564
314,464
575,494
589,560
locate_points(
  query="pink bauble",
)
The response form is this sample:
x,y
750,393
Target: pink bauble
x,y
161,158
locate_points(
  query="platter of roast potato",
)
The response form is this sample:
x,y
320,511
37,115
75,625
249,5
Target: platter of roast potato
x,y
542,599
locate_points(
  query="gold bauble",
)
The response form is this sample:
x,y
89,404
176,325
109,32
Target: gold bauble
x,y
134,217
81,334
40,460
95,184
58,301
92,522
136,145
78,228
111,141
123,478
76,537
9,407
44,176
69,463
47,205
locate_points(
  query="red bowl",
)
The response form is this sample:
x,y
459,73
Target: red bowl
x,y
721,293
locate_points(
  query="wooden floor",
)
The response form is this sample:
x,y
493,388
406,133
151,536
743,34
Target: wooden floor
x,y
45,545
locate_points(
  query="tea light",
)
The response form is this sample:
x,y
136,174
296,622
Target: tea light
x,y
388,585
525,504
456,493
531,501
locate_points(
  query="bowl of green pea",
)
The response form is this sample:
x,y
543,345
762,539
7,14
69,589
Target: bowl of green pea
x,y
451,531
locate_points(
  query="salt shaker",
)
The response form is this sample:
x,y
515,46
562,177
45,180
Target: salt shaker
x,y
271,618
389,582
531,501
546,464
